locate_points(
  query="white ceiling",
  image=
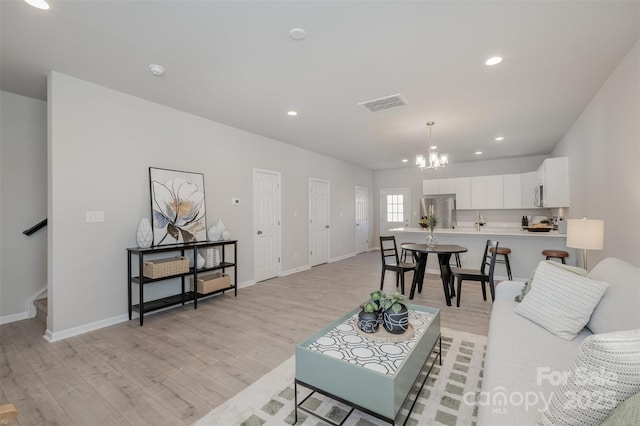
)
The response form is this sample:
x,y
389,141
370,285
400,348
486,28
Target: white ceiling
x,y
233,62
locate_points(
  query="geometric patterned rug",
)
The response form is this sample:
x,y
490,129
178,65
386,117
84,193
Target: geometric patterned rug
x,y
448,396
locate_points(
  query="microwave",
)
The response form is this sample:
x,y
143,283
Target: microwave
x,y
538,199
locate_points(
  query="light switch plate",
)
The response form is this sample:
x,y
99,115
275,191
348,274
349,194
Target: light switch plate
x,y
95,216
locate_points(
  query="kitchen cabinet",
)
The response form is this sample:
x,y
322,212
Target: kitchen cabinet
x,y
553,175
495,192
528,183
512,191
438,186
430,187
463,193
512,198
479,195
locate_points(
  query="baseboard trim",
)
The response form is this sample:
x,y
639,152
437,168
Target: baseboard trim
x,y
295,270
81,329
343,257
14,317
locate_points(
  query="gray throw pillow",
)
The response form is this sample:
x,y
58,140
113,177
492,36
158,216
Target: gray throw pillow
x,y
527,285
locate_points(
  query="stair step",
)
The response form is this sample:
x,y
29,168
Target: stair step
x,y
41,309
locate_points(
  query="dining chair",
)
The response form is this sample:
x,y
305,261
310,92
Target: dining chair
x,y
391,262
484,274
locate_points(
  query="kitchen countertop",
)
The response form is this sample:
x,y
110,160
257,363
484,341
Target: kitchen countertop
x,y
485,231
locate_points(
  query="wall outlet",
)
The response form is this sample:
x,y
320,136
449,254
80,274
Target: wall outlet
x,y
235,201
95,216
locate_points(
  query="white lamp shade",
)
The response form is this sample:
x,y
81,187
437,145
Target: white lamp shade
x,y
585,234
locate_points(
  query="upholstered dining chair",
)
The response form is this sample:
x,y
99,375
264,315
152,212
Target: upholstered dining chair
x,y
484,274
391,262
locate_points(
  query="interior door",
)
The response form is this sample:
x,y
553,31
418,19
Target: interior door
x,y
362,219
266,224
318,221
395,207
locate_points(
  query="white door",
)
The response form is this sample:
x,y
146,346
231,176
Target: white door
x,y
266,224
395,206
318,221
362,219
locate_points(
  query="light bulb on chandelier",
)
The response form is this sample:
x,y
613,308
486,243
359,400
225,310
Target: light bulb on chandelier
x,y
433,160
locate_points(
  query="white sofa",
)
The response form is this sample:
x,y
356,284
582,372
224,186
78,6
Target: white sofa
x,y
523,360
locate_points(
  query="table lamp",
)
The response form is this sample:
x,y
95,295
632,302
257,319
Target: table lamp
x,y
585,234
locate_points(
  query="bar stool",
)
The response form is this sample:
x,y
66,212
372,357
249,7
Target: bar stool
x,y
555,254
504,251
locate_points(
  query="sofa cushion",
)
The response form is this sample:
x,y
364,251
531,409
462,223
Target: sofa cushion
x,y
618,309
627,413
561,301
527,285
605,373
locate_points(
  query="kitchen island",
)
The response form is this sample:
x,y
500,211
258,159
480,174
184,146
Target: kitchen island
x,y
526,247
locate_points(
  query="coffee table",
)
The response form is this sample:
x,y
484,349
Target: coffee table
x,y
370,376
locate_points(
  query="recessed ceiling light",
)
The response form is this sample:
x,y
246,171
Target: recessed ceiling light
x,y
156,69
292,113
297,34
500,138
40,4
478,152
404,160
493,61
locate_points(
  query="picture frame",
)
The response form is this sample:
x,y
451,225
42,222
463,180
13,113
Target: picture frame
x,y
178,213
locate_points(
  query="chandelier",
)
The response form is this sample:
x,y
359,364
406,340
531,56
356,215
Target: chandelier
x,y
433,160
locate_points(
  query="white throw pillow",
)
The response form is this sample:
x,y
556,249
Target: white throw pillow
x,y
604,373
560,301
618,310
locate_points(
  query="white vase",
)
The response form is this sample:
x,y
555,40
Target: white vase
x,y
209,258
144,236
213,234
200,262
226,235
220,226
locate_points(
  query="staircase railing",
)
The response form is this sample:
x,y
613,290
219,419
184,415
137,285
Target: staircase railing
x,y
35,228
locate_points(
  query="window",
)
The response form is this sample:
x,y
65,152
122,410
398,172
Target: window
x,y
395,208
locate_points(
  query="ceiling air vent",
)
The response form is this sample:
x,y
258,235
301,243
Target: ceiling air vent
x,y
380,104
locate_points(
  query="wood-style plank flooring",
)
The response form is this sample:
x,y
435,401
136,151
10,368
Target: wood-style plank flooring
x,y
185,362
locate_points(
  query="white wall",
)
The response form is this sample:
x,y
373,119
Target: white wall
x,y
603,146
101,145
23,202
411,177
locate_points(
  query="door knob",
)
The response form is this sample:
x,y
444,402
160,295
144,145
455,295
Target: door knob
x,y
259,232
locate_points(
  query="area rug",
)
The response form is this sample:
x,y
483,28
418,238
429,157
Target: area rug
x,y
448,397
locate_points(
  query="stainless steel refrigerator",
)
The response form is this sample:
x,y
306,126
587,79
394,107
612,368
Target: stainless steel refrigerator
x,y
443,206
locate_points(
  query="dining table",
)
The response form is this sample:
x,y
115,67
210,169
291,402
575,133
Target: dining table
x,y
421,253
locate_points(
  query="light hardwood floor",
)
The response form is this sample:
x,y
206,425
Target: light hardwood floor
x,y
185,362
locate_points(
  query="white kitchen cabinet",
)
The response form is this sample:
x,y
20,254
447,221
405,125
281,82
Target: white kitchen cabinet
x,y
554,174
438,186
495,192
446,186
479,195
430,186
512,191
528,181
463,193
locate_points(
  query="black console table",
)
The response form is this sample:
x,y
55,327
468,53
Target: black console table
x,y
184,296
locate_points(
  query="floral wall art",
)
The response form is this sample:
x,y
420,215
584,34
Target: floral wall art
x,y
177,206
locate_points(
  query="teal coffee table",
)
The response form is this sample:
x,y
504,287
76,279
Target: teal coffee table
x,y
370,376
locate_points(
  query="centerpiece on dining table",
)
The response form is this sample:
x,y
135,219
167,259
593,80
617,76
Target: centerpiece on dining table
x,y
430,222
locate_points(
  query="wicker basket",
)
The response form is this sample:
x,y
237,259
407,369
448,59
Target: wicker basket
x,y
208,283
160,268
